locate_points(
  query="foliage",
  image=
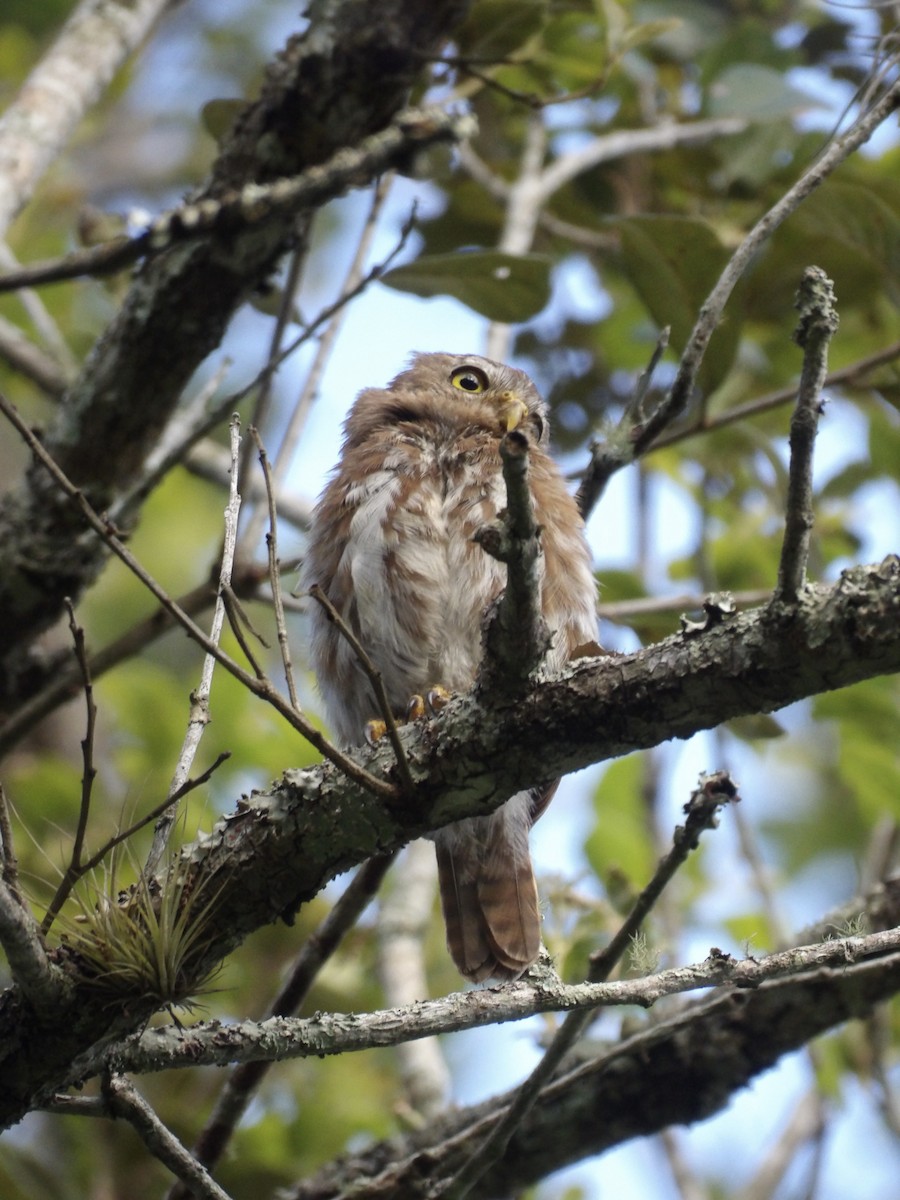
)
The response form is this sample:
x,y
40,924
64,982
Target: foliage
x,y
629,244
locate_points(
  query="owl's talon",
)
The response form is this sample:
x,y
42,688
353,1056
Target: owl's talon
x,y
375,731
437,698
415,708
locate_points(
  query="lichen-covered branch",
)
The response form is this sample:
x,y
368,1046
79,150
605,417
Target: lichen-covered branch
x,y
278,848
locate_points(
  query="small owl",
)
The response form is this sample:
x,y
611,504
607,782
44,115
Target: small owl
x,y
391,547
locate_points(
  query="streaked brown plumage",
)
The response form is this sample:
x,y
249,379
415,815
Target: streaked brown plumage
x,y
391,546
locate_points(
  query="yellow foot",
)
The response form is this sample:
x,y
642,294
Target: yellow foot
x,y
428,705
437,698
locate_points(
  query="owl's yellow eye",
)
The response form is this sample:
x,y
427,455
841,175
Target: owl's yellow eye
x,y
469,379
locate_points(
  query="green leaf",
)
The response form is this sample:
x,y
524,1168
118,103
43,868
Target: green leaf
x,y
673,264
621,839
755,727
502,287
495,28
756,92
217,116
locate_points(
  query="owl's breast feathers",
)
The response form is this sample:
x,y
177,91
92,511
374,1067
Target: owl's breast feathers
x,y
420,473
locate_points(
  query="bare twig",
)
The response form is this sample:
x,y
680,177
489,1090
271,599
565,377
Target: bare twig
x,y
257,202
701,809
63,677
375,680
75,869
260,687
245,1080
191,422
199,714
284,644
711,312
266,377
651,606
126,1102
818,322
40,317
517,635
355,282
631,444
607,455
208,460
851,374
31,361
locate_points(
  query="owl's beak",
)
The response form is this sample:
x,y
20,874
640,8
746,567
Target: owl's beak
x,y
512,410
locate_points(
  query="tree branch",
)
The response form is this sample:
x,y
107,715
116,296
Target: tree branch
x,y
326,90
676,1072
70,78
278,848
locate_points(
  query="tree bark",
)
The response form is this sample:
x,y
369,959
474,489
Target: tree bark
x,y
345,77
278,848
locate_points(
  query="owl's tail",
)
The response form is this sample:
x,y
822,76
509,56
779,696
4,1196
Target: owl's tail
x,y
489,895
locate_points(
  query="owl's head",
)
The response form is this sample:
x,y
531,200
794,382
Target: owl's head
x,y
461,391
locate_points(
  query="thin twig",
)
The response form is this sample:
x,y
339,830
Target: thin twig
x,y
284,644
246,1079
8,861
260,687
701,809
771,400
199,713
126,1102
375,680
818,323
75,869
31,361
629,445
711,311
39,315
607,456
238,621
191,422
64,676
266,377
355,282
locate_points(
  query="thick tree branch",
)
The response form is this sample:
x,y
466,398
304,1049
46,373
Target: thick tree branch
x,y
679,1071
340,81
279,847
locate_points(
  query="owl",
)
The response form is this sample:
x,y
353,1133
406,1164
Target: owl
x,y
391,547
